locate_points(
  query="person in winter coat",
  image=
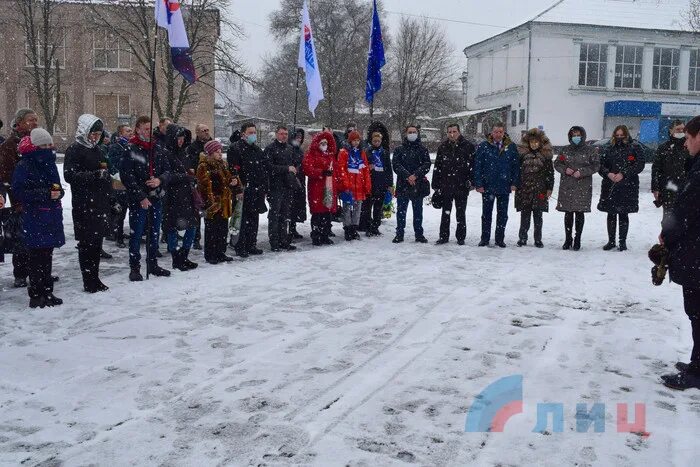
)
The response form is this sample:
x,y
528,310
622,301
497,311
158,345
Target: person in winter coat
x,y
620,166
355,184
283,182
320,167
411,163
247,162
86,170
160,137
179,210
577,163
681,236
37,185
145,172
194,151
120,200
668,172
216,184
452,180
496,175
24,122
298,209
536,183
382,174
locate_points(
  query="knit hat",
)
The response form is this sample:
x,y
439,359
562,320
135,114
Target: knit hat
x,y
41,137
354,135
212,146
25,146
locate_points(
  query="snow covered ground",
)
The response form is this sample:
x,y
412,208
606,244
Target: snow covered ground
x,y
362,354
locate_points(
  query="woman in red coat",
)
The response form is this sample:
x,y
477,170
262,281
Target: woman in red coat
x,y
319,166
355,184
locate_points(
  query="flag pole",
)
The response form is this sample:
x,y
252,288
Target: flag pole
x,y
296,99
150,151
371,110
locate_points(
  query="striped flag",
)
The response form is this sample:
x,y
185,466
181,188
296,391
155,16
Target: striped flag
x,y
169,16
308,61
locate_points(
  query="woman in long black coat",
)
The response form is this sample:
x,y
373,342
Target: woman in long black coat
x,y
620,166
298,211
179,212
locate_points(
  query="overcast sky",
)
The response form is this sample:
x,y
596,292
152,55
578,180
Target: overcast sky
x,y
493,16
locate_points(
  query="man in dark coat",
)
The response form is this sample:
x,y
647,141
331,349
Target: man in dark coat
x,y
382,173
411,163
681,236
144,172
120,201
86,170
24,122
283,181
452,180
194,150
247,161
298,211
496,175
160,137
668,172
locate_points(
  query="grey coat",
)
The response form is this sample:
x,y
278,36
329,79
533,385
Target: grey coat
x,y
575,194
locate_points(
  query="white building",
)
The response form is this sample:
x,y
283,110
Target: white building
x,y
575,62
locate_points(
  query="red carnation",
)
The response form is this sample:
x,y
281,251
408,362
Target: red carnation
x,y
631,158
541,195
562,158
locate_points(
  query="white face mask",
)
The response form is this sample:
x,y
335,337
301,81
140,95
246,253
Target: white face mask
x,y
679,135
323,147
412,137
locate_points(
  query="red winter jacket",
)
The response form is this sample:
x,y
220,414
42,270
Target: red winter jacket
x,y
314,164
359,182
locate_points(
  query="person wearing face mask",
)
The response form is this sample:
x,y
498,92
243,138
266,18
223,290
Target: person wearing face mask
x,y
382,174
355,184
86,170
577,163
319,165
496,175
668,172
38,187
620,166
411,163
247,162
298,210
120,201
536,183
681,237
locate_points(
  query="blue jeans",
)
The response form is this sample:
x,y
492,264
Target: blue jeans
x,y
402,208
137,222
187,239
487,216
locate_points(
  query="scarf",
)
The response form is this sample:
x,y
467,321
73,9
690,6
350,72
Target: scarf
x,y
147,145
377,159
355,162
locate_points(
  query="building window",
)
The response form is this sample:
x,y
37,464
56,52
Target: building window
x,y
628,69
694,81
109,53
514,118
59,54
593,65
666,68
522,116
113,109
61,125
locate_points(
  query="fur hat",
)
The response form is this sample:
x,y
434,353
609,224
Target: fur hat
x,y
212,146
41,137
658,254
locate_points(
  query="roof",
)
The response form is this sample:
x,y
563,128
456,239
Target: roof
x,y
469,113
639,14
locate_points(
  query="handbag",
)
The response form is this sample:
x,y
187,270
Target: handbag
x,y
437,200
10,230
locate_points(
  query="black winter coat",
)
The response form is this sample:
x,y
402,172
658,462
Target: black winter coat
x,y
452,173
193,151
178,211
298,212
621,197
412,159
248,162
382,177
681,232
90,194
135,172
669,167
280,157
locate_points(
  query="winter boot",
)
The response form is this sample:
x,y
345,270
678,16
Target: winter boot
x,y
355,234
421,239
178,262
52,300
20,282
37,302
154,269
348,234
189,265
105,255
135,274
577,243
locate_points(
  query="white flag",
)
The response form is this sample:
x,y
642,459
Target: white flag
x,y
308,61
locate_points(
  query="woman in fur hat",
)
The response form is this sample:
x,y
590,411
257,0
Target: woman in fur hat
x,y
537,183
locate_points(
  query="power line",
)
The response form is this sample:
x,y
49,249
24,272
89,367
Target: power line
x,y
435,18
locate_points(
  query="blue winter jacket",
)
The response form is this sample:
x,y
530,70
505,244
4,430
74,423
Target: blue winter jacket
x,y
42,217
496,171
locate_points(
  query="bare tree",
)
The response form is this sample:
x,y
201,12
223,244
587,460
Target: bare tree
x,y
421,71
131,22
692,16
45,34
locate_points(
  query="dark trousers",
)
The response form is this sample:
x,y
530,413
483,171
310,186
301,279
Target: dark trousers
x,y
460,203
374,206
248,236
569,223
525,216
119,215
366,221
40,282
89,259
320,226
502,202
278,218
20,262
198,231
138,218
402,209
215,231
612,226
691,301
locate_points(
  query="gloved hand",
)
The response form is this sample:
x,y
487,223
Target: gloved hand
x,y
328,173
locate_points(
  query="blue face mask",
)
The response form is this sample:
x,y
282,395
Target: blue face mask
x,y
576,140
252,139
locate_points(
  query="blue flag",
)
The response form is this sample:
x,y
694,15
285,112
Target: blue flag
x,y
375,58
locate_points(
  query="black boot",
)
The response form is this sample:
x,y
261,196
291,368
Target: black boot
x,y
348,234
189,265
612,230
135,274
155,270
105,255
577,242
178,262
52,300
20,282
37,302
355,234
